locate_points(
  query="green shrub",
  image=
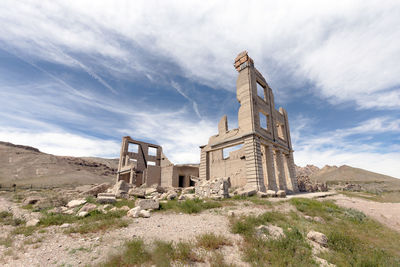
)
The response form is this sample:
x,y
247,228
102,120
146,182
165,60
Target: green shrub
x,y
189,206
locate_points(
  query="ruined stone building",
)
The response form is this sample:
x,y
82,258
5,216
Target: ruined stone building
x,y
263,155
144,163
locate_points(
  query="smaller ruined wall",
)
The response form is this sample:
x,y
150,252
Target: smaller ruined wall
x,y
167,172
185,171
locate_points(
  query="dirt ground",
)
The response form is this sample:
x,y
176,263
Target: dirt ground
x,y
56,248
385,213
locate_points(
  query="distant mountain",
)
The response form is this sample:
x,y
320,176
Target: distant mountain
x,y
24,165
333,175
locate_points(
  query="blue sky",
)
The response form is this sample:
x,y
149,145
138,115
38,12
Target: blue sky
x,y
75,77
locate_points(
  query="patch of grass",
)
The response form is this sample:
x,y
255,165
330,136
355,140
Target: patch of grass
x,y
6,241
291,250
190,206
160,253
217,260
392,196
6,218
24,230
74,250
28,207
353,238
211,241
134,254
57,219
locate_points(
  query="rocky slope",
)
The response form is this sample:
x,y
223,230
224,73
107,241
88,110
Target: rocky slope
x,y
24,165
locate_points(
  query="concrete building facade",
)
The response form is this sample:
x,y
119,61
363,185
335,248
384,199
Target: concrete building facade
x,y
258,154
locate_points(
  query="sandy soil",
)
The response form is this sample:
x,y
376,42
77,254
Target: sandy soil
x,y
385,213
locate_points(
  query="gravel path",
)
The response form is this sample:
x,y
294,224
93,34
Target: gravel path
x,y
385,213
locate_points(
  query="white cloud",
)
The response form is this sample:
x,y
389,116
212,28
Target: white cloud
x,y
349,49
61,143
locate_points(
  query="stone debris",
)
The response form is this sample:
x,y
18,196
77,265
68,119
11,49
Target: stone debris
x,y
82,214
65,225
88,207
94,191
318,237
305,184
106,198
147,204
281,193
137,192
245,192
32,222
216,188
144,213
269,231
75,203
134,213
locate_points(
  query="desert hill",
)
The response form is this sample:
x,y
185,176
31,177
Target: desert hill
x,y
24,165
368,181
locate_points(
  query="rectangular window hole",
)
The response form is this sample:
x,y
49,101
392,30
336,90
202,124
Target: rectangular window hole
x,y
152,151
228,150
133,148
151,163
263,121
260,91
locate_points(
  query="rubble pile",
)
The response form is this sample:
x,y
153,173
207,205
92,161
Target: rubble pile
x,y
216,188
305,184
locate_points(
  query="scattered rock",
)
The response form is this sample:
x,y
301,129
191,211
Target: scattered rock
x,y
172,195
147,204
106,198
137,192
150,190
94,191
271,193
82,214
319,219
32,222
309,218
182,197
318,237
88,207
68,211
262,194
126,208
281,193
65,225
121,186
188,190
75,203
144,213
269,231
55,210
134,213
213,188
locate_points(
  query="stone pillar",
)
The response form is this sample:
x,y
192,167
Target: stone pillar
x,y
254,174
280,172
269,156
289,183
203,164
292,171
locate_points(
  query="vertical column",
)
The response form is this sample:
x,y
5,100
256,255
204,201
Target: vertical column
x,y
280,172
292,171
254,174
270,168
289,183
203,164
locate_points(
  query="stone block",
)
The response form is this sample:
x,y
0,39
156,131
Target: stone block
x,y
281,193
94,191
137,192
318,237
75,203
147,204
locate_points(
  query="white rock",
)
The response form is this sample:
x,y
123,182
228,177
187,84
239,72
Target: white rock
x,y
65,225
281,193
144,213
271,231
147,204
83,214
88,207
32,222
75,203
318,237
134,213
